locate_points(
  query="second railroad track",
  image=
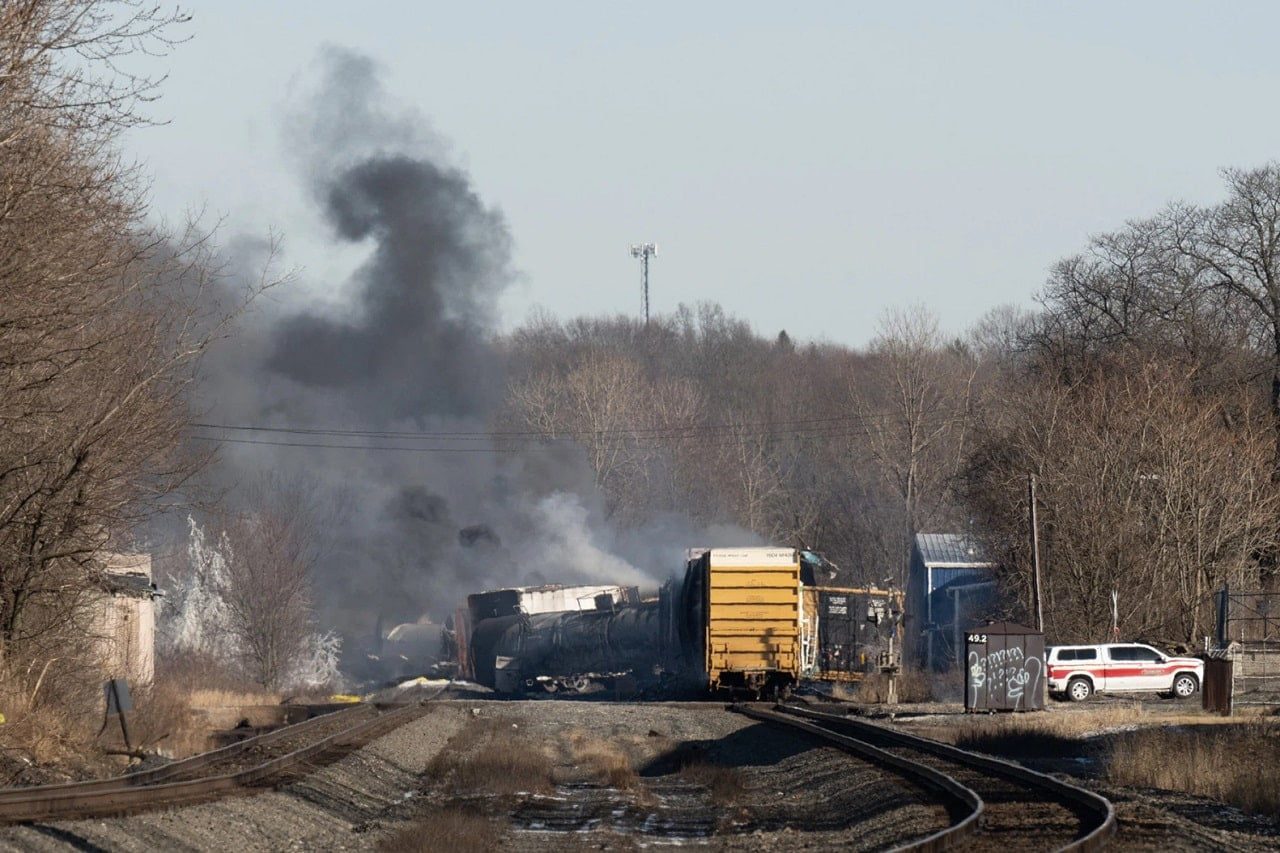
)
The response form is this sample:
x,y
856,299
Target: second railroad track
x,y
239,768
993,804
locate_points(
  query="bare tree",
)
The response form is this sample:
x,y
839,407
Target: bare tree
x,y
1234,247
1146,488
104,318
273,546
628,424
915,408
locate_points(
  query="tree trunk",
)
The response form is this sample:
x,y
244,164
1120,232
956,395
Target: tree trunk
x,y
1275,404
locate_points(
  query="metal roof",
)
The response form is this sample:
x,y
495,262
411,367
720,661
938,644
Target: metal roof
x,y
950,549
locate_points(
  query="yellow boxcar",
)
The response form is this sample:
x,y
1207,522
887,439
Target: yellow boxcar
x,y
752,638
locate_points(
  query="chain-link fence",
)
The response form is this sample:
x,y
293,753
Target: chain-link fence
x,y
1248,634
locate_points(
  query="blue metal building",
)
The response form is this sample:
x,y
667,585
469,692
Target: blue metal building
x,y
951,582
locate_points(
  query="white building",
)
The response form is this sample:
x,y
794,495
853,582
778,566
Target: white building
x,y
124,618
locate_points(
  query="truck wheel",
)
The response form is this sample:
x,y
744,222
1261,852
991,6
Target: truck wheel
x,y
1079,689
1185,685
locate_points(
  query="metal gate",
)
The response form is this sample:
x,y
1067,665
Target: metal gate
x,y
1248,636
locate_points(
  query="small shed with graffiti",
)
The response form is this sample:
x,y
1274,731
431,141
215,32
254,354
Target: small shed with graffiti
x,y
1004,668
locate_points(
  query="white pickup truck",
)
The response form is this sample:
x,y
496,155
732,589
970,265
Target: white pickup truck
x,y
1077,672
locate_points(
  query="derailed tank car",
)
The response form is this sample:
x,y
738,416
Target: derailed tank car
x,y
464,626
570,650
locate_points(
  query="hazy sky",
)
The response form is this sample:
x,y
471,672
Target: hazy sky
x,y
804,167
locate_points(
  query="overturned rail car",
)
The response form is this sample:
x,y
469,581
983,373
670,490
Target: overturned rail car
x,y
568,650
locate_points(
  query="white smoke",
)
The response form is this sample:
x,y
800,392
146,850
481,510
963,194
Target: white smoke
x,y
565,542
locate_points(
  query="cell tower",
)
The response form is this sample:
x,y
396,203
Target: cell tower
x,y
644,251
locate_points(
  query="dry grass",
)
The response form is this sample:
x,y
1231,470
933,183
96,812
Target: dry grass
x,y
1233,760
52,710
1238,765
163,721
913,686
456,830
1037,732
173,715
210,684
601,761
1005,732
53,715
228,698
491,756
724,783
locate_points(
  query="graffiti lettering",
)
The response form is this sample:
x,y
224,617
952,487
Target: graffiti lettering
x,y
1003,678
977,670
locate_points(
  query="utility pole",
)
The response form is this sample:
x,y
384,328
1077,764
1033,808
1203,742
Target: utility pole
x,y
644,251
1035,554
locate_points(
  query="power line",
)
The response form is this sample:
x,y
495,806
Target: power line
x,y
568,434
725,439
703,441
486,434
494,450
347,446
676,433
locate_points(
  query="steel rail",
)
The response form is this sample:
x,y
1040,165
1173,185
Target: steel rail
x,y
1095,804
118,796
968,799
186,765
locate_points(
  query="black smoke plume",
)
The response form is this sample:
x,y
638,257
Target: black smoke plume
x,y
407,344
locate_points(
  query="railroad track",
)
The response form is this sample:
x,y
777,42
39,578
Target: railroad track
x,y
235,769
993,804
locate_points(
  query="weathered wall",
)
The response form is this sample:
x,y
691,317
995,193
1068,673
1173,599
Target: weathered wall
x,y
124,619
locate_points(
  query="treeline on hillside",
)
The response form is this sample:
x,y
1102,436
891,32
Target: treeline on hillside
x,y
1144,395
696,414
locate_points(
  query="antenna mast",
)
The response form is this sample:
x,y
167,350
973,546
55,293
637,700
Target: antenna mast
x,y
644,251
